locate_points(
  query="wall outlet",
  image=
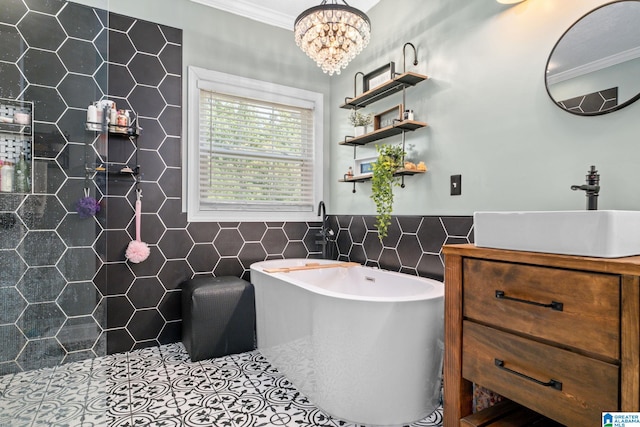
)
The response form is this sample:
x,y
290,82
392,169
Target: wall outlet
x,y
456,185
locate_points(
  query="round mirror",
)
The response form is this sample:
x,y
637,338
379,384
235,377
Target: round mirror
x,y
595,66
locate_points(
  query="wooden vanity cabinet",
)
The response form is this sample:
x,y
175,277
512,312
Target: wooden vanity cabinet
x,y
557,334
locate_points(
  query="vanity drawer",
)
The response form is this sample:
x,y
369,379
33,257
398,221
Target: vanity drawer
x,y
588,386
587,318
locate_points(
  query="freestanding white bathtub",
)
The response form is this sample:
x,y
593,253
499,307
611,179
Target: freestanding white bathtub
x,y
363,344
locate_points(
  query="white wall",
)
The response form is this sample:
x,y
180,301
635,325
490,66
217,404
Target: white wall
x,y
489,114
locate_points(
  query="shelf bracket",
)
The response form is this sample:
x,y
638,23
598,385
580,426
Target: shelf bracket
x,y
404,58
404,67
355,83
90,173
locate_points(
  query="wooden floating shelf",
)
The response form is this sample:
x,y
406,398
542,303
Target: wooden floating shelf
x,y
368,176
395,85
385,132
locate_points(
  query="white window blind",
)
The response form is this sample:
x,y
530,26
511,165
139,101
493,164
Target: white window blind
x,y
255,149
254,155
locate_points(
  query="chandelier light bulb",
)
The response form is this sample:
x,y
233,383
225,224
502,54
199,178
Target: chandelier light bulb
x,y
332,34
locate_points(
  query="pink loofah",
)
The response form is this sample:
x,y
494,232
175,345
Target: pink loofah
x,y
137,251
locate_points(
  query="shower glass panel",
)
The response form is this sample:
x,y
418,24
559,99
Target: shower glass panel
x,y
52,285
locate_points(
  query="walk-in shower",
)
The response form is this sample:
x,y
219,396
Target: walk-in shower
x,y
52,307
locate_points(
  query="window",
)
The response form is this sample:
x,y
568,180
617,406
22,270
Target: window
x,y
254,150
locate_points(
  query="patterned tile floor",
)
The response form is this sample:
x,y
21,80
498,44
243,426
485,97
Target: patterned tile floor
x,y
160,386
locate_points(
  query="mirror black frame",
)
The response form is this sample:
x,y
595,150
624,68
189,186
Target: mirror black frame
x,y
546,85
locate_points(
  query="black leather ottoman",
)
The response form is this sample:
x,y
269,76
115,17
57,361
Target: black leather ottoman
x,y
218,316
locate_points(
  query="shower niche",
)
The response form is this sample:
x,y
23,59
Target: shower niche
x,y
16,148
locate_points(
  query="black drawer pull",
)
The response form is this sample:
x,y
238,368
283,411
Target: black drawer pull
x,y
551,383
557,306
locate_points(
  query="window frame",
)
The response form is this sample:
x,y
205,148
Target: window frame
x,y
199,78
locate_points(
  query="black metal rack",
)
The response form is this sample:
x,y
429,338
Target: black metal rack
x,y
131,132
399,83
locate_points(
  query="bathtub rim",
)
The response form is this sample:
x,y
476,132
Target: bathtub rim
x,y
436,287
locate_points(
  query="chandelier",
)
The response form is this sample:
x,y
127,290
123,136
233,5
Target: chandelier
x,y
332,34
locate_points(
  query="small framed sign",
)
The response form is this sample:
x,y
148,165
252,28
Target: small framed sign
x,y
387,118
378,76
364,165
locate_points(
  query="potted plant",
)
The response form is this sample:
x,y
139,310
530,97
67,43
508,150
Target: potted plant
x,y
360,121
390,159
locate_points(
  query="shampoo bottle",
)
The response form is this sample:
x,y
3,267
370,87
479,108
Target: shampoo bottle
x,y
22,181
6,177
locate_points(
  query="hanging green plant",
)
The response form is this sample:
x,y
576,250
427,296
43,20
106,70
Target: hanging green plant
x,y
390,159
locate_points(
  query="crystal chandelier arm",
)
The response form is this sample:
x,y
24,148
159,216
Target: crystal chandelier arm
x,y
404,59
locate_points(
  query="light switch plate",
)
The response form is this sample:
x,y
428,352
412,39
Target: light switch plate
x,y
456,185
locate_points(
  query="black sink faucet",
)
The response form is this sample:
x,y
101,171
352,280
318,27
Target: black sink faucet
x,y
592,188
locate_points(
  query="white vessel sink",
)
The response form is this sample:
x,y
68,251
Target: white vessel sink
x,y
604,234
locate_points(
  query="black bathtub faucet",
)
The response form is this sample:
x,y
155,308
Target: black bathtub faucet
x,y
322,210
592,188
326,235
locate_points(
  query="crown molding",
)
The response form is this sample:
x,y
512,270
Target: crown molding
x,y
253,11
593,66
